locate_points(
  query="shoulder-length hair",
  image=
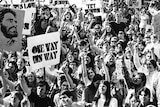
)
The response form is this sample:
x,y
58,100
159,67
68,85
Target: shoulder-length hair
x,y
107,93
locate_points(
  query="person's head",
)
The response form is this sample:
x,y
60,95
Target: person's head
x,y
21,63
144,96
73,66
90,73
151,65
105,46
8,23
128,53
87,59
66,99
62,82
138,79
134,37
147,38
121,35
70,57
111,59
119,47
97,28
104,87
68,16
90,16
96,80
140,37
42,89
12,67
97,60
46,11
16,98
113,41
31,77
154,38
141,46
118,17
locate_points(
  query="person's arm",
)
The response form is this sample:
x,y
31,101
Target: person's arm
x,y
48,29
84,71
4,83
93,46
156,87
24,86
65,69
105,68
136,58
8,82
153,54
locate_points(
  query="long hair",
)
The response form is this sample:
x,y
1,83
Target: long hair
x,y
107,93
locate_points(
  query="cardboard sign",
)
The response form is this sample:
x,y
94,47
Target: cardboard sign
x,y
11,29
44,50
28,17
134,3
156,24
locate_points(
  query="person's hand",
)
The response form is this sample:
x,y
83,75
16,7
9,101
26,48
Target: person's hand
x,y
136,47
65,67
20,75
90,39
81,55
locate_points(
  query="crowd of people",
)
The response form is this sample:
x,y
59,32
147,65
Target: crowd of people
x,y
110,61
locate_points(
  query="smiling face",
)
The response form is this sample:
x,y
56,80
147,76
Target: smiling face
x,y
65,101
137,79
20,64
149,66
102,88
91,74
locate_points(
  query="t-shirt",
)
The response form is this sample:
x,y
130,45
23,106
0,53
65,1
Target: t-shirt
x,y
37,101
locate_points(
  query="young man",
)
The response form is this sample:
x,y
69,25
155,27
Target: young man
x,y
66,100
40,98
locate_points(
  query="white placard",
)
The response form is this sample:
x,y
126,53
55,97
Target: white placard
x,y
44,50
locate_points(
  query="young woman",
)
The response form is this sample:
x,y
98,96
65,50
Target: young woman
x,y
102,97
144,98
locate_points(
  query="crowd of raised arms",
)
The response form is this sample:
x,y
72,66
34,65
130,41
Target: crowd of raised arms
x,y
111,61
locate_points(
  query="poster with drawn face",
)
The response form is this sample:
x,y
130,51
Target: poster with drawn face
x,y
28,19
11,25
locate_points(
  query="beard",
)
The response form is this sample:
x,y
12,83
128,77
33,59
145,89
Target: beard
x,y
8,33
